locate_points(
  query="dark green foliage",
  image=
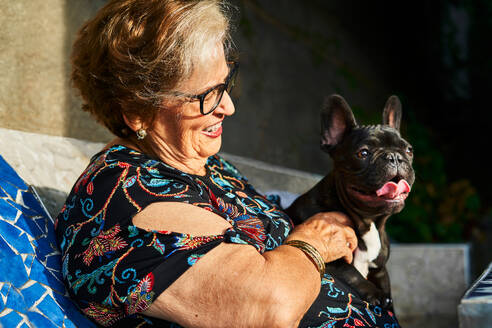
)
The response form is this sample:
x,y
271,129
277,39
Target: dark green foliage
x,y
438,209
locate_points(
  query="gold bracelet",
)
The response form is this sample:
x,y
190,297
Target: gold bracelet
x,y
311,252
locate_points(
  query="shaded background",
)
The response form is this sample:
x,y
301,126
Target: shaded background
x,y
435,55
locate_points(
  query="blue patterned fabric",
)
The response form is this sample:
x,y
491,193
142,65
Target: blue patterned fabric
x,y
32,293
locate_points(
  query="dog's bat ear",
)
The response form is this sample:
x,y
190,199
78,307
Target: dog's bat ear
x,y
336,120
392,112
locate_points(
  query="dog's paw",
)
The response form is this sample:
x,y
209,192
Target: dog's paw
x,y
381,299
387,303
373,300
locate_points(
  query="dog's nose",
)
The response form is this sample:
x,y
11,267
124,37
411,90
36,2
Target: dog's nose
x,y
394,158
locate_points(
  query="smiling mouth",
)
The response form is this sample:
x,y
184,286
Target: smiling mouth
x,y
390,192
214,130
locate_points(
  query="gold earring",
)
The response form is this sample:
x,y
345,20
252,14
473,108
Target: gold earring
x,y
141,134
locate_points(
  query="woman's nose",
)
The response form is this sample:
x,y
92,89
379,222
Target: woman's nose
x,y
226,106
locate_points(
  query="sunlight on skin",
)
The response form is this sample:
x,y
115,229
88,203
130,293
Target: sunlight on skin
x,y
178,135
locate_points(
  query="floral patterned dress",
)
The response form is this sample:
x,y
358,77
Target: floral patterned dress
x,y
114,270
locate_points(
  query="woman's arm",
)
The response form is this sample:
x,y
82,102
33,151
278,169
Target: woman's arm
x,y
234,285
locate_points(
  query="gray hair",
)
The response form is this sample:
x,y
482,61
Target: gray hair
x,y
129,57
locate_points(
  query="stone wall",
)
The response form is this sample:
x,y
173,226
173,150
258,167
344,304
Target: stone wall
x,y
35,43
281,88
32,65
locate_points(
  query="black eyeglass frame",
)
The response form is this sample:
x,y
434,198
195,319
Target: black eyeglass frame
x,y
221,87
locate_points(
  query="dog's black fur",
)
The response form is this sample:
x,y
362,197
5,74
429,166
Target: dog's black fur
x,y
365,159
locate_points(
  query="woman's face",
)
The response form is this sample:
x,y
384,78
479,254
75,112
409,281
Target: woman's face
x,y
180,130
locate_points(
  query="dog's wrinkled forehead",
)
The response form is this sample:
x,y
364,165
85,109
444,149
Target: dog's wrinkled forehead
x,y
377,136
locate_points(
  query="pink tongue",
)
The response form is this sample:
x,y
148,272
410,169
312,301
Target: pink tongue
x,y
392,190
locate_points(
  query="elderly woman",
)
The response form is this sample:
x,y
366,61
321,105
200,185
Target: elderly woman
x,y
159,230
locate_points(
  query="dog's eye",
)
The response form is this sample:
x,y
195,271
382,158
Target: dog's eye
x,y
363,153
409,150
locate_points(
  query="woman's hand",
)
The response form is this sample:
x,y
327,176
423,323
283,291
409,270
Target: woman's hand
x,y
330,233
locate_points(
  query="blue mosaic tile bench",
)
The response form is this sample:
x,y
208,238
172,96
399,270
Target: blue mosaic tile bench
x,y
32,293
475,309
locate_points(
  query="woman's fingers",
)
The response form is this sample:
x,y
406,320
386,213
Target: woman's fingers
x,y
331,233
340,217
351,239
349,257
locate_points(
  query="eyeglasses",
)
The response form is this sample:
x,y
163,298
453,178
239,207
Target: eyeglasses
x,y
210,99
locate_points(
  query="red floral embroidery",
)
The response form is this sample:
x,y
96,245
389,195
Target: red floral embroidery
x,y
105,242
90,188
104,315
141,298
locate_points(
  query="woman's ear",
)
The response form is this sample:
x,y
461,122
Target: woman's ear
x,y
133,122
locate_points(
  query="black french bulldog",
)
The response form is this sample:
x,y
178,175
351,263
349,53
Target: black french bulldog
x,y
371,178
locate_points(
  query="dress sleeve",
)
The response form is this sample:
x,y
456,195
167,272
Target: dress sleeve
x,y
255,220
112,268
